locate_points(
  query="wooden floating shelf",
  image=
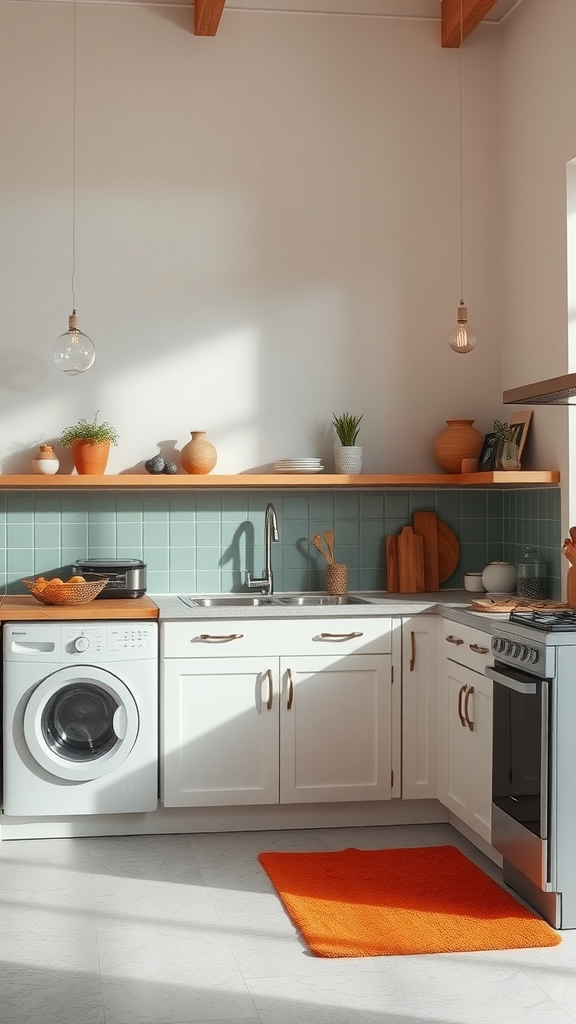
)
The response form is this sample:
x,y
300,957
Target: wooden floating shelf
x,y
146,481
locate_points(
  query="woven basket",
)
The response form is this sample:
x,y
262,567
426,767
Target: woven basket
x,y
66,593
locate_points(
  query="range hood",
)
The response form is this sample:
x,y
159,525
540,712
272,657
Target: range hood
x,y
556,391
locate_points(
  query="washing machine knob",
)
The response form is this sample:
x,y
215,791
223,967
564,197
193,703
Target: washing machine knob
x,y
81,643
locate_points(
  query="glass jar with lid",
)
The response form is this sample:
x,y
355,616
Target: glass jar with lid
x,y
531,575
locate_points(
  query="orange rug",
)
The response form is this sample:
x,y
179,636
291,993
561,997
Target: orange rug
x,y
390,902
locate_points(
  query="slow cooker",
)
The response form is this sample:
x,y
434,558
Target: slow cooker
x,y
126,576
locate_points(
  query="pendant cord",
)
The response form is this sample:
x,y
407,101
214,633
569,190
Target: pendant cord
x,y
461,166
74,161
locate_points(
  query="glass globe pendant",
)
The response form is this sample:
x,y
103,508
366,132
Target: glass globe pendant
x,y
74,351
462,338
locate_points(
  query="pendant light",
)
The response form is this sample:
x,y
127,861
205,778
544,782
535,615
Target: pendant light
x,y
74,351
462,338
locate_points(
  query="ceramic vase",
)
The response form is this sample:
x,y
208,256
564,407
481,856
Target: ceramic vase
x,y
199,455
508,457
460,440
499,578
348,459
90,458
45,462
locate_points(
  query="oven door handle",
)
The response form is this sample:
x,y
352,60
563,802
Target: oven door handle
x,y
513,684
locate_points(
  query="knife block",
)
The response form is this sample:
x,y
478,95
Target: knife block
x,y
571,587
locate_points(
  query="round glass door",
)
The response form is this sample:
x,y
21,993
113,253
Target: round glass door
x,y
80,726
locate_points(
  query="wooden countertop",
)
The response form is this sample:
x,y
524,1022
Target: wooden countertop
x,y
25,608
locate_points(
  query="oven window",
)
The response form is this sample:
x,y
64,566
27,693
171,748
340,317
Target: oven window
x,y
517,755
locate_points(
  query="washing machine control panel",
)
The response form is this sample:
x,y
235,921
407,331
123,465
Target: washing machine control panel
x,y
115,641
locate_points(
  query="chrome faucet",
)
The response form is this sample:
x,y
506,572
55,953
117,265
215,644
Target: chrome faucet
x,y
266,584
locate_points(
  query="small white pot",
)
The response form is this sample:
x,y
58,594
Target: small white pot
x,y
348,459
499,578
473,582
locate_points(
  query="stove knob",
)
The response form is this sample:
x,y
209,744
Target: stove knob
x,y
81,643
509,648
534,656
497,644
524,652
516,650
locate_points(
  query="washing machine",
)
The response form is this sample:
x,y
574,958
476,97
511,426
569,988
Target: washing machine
x,y
80,722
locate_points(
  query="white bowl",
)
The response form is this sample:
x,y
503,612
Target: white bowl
x,y
473,582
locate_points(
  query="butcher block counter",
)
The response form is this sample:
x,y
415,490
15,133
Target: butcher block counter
x,y
23,608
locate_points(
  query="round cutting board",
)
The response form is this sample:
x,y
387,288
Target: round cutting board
x,y
448,551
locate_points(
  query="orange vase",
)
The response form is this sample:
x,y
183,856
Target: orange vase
x,y
199,455
460,440
90,457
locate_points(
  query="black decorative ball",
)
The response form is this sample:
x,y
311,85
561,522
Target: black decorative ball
x,y
170,467
155,465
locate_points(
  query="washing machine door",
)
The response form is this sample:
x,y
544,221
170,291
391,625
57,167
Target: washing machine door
x,y
80,723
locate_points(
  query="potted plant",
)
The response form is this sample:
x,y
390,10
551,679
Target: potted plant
x,y
90,444
506,436
347,455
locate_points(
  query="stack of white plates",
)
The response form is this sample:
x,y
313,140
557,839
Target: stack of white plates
x,y
298,466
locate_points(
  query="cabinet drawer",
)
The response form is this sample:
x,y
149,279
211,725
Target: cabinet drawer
x,y
467,645
200,638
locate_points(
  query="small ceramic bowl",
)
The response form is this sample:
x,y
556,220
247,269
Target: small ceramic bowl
x,y
473,582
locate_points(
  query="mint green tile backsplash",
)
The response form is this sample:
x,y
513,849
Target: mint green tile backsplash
x,y
205,541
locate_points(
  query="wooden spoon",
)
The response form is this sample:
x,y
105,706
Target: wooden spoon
x,y
329,538
317,542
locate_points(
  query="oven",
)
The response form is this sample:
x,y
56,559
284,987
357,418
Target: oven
x,y
534,759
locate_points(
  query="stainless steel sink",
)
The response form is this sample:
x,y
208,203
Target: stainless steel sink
x,y
318,600
276,600
235,601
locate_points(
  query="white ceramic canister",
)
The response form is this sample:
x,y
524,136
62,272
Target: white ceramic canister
x,y
473,582
499,578
45,461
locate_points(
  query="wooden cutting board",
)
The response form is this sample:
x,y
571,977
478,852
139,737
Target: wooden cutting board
x,y
410,562
515,604
425,525
392,567
448,551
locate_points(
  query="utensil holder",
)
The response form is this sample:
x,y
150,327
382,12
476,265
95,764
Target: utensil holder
x,y
337,578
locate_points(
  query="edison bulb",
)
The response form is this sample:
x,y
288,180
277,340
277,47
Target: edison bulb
x,y
74,351
462,338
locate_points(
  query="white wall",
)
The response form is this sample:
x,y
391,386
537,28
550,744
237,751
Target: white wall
x,y
538,141
267,231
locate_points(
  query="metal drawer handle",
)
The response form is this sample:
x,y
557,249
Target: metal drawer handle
x,y
460,715
220,639
290,700
479,650
454,639
339,636
270,689
412,650
469,722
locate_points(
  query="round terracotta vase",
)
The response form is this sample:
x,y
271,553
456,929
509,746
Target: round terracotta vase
x,y
199,455
90,457
460,440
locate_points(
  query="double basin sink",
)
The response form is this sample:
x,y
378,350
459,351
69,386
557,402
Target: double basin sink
x,y
276,600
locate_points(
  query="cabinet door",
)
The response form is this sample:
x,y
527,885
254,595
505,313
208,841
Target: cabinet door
x,y
219,731
457,750
419,706
468,789
335,728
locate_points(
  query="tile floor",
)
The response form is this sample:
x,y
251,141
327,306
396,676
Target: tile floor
x,y
186,928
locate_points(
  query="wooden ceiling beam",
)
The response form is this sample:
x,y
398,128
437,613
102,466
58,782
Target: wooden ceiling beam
x,y
207,14
473,11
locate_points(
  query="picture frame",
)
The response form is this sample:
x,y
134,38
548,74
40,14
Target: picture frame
x,y
489,454
521,420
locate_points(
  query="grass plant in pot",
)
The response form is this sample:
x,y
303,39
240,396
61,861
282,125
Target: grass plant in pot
x,y
347,454
508,453
90,445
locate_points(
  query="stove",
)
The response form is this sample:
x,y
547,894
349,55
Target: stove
x,y
534,758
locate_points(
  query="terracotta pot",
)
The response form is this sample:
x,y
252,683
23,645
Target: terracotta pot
x,y
45,462
89,457
460,440
199,455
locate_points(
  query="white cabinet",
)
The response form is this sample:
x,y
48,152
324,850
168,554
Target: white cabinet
x,y
465,778
419,706
267,711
